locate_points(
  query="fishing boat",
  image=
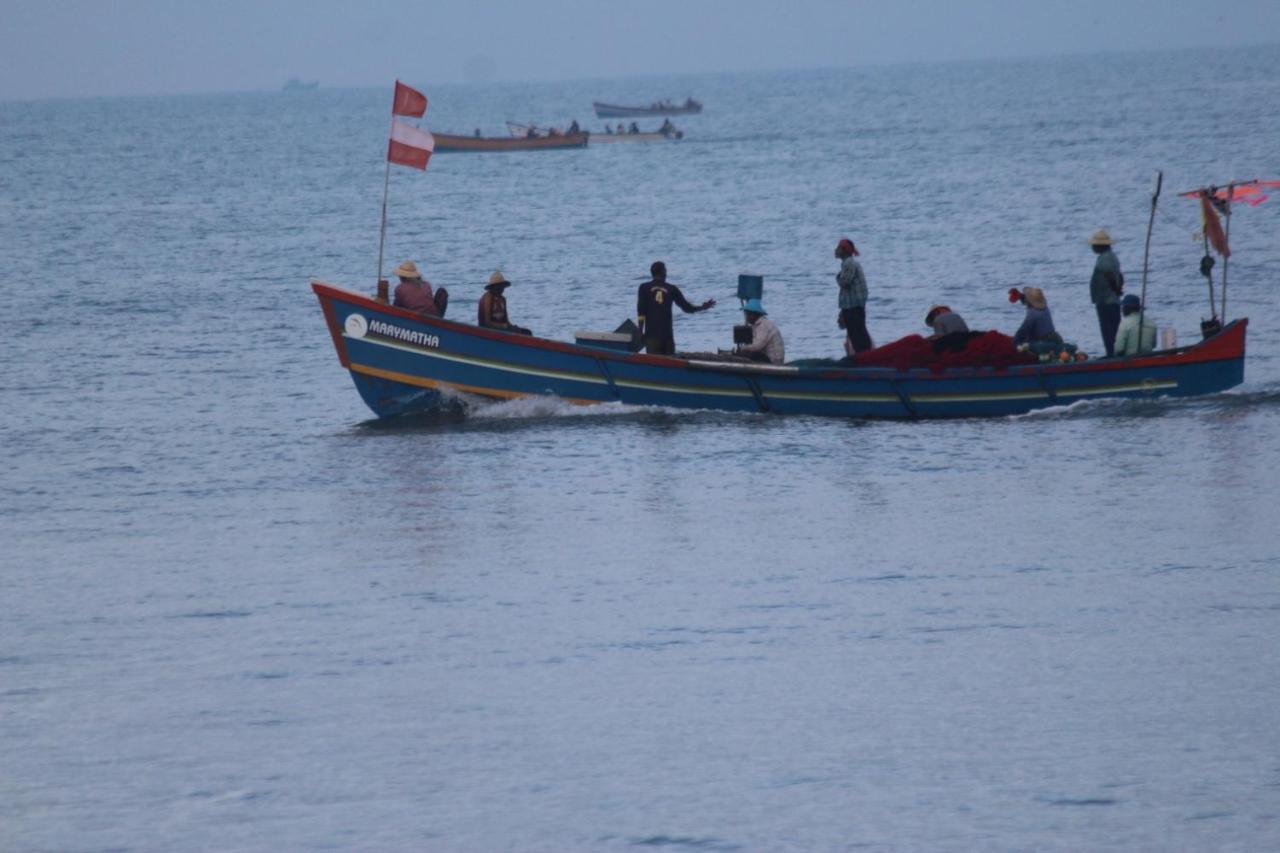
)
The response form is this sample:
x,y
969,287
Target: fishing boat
x,y
658,108
450,142
402,362
643,136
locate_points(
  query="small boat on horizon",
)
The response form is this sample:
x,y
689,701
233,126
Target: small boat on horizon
x,y
293,84
667,133
476,142
657,108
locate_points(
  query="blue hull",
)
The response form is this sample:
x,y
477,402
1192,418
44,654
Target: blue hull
x,y
403,363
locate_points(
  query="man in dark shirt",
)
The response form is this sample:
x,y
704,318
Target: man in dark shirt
x,y
653,311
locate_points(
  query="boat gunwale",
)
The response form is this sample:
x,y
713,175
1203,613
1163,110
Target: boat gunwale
x,y
1189,354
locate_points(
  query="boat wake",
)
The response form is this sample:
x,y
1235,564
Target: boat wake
x,y
1263,398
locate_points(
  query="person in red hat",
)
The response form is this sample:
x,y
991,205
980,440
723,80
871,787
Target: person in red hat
x,y
853,298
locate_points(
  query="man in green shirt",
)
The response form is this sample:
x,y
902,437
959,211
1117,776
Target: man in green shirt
x,y
1105,288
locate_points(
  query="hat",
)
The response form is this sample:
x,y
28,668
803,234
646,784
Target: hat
x,y
1101,238
496,278
1130,300
1034,297
407,270
847,245
934,312
754,306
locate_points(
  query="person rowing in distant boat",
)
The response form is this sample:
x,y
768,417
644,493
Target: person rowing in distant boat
x,y
667,127
491,313
766,341
653,311
573,128
634,128
414,292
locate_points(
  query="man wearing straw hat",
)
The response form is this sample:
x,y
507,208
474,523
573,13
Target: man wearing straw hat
x,y
1105,288
492,310
414,292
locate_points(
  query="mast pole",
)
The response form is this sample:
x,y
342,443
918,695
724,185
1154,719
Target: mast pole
x,y
1226,212
1146,256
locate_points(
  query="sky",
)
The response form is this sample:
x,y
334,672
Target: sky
x,y
76,48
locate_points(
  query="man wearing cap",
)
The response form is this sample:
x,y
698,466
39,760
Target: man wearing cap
x,y
653,311
492,311
1105,288
414,292
1127,336
766,341
853,297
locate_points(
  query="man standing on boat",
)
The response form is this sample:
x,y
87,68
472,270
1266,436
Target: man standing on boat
x,y
653,311
1105,288
853,297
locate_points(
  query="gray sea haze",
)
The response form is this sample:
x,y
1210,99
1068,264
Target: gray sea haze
x,y
238,614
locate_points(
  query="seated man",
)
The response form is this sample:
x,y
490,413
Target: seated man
x,y
944,322
414,292
1127,342
766,341
492,311
1037,326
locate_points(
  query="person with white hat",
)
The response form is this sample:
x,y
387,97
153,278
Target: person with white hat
x,y
1105,288
492,311
414,292
766,341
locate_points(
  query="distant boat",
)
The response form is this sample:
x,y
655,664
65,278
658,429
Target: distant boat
x,y
450,142
657,108
644,136
296,85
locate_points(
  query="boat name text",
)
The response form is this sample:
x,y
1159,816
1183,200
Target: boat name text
x,y
409,336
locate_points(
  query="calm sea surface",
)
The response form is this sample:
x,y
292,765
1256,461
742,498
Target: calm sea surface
x,y
235,613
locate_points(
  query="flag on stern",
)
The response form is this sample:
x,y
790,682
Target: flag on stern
x,y
408,102
410,146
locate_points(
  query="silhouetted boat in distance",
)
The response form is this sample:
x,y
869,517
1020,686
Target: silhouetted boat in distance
x,y
657,108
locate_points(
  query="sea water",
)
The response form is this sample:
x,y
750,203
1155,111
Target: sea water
x,y
238,613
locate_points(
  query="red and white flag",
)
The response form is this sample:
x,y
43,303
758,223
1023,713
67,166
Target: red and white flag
x,y
409,145
408,102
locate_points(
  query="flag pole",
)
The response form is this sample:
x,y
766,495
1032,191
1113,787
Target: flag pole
x,y
382,232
